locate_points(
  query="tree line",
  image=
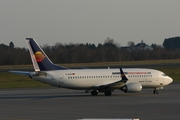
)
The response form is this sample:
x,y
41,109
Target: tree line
x,y
85,53
172,43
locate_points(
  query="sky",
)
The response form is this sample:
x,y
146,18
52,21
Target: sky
x,y
88,21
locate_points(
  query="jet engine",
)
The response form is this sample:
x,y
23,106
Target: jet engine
x,y
132,87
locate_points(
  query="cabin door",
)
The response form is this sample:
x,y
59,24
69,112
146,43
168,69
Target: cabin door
x,y
61,78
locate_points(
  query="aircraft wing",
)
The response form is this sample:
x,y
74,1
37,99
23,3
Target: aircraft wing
x,y
114,84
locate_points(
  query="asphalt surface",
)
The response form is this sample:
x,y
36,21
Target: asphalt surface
x,y
63,104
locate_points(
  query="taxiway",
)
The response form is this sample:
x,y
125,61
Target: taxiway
x,y
57,103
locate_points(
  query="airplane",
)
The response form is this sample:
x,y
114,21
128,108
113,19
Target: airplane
x,y
129,80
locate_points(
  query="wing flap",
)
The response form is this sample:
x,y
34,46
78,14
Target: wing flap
x,y
110,85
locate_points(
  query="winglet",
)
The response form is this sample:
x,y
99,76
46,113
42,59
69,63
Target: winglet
x,y
123,76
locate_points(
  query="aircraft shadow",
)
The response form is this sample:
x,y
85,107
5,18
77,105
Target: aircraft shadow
x,y
55,96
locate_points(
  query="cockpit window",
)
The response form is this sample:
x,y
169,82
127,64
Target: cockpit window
x,y
164,74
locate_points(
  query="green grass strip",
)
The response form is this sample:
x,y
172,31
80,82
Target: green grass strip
x,y
10,80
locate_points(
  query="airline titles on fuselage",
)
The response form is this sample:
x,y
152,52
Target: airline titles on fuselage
x,y
137,72
70,74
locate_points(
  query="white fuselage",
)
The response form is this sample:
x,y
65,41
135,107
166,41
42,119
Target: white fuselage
x,y
86,79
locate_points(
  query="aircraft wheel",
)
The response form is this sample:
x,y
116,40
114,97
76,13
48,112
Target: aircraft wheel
x,y
107,93
94,92
155,92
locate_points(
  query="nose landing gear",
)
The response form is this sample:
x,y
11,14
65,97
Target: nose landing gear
x,y
157,88
155,91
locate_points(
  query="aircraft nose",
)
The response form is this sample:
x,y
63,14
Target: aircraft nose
x,y
170,80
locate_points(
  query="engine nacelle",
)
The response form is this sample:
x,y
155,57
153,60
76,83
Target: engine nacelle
x,y
132,87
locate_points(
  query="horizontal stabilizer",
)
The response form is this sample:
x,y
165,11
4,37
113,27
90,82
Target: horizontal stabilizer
x,y
21,72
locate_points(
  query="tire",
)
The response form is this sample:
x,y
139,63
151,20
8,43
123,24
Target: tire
x,y
94,93
107,93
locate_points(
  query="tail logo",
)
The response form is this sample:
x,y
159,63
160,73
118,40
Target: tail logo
x,y
122,75
39,56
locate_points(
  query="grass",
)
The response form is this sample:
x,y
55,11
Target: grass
x,y
128,63
9,80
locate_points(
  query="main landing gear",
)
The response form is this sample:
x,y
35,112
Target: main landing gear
x,y
94,92
106,93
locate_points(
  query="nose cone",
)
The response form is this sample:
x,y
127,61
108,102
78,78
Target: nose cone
x,y
169,80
